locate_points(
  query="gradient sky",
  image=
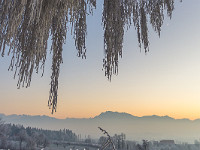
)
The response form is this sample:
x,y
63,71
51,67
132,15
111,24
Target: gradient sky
x,y
165,81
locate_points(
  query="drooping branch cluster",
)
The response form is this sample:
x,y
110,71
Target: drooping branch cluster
x,y
26,25
119,14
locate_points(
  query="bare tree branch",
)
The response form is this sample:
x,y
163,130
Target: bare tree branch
x,y
109,140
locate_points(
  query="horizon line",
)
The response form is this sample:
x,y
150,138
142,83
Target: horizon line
x,y
99,115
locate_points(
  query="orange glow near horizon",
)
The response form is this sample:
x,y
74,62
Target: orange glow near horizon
x,y
137,111
164,81
190,116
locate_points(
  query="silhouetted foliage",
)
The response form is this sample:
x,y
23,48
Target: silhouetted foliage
x,y
26,25
3,134
30,138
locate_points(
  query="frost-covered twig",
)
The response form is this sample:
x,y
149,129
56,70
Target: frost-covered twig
x,y
108,142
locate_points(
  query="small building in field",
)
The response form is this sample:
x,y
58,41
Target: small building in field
x,y
167,142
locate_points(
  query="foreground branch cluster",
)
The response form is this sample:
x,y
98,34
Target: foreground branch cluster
x,y
119,14
27,25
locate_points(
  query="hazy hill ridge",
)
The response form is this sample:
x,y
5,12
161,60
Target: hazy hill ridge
x,y
149,127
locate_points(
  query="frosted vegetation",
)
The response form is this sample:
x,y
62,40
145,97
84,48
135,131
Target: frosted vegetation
x,y
26,26
17,137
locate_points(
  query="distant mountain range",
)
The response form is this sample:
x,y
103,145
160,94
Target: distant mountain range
x,y
136,128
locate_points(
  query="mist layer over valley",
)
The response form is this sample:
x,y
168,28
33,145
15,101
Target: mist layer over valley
x,y
136,128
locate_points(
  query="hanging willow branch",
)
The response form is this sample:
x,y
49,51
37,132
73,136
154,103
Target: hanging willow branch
x,y
26,25
119,14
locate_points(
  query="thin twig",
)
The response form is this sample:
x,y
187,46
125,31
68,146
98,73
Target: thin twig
x,y
109,140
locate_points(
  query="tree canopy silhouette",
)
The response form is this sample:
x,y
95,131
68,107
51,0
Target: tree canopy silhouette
x,y
26,26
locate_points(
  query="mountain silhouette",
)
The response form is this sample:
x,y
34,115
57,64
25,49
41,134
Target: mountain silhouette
x,y
136,128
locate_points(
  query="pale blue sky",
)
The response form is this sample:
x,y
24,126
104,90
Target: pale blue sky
x,y
165,81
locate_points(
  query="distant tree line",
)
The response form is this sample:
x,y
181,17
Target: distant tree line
x,y
18,137
121,143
